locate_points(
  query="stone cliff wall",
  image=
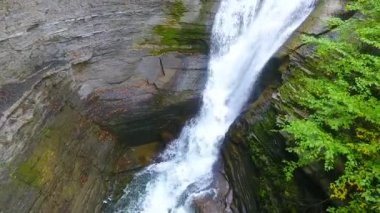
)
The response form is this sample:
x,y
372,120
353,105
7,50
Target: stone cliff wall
x,y
82,81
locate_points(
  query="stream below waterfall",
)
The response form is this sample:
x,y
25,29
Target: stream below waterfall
x,y
245,35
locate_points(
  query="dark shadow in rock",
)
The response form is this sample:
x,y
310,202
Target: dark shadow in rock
x,y
270,75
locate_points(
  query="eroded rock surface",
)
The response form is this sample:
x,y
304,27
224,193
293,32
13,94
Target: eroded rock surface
x,y
81,82
101,46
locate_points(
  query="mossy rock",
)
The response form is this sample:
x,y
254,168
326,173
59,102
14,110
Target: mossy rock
x,y
177,9
186,38
177,36
38,169
27,173
69,159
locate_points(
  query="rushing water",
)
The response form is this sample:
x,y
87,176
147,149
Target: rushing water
x,y
245,35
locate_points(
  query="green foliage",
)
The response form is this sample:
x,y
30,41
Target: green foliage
x,y
274,193
341,108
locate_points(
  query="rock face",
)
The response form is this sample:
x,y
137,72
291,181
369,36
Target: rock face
x,y
100,46
81,82
254,150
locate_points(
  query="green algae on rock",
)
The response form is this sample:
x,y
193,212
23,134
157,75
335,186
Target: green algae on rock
x,y
187,38
182,36
67,158
177,9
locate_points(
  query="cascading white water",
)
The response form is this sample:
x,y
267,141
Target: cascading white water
x,y
245,35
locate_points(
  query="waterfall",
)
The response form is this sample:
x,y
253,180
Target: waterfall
x,y
245,35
